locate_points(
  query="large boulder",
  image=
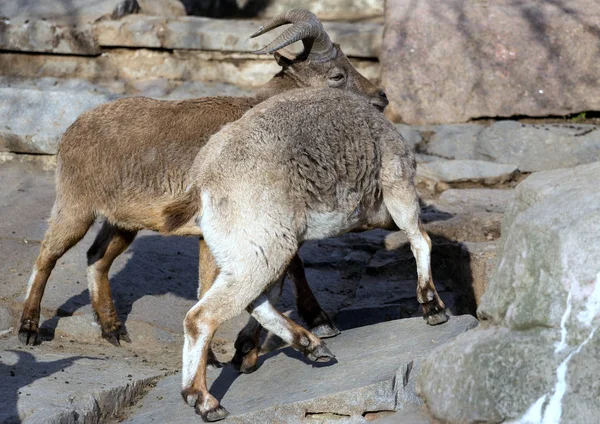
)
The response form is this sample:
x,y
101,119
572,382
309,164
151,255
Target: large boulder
x,y
455,60
533,357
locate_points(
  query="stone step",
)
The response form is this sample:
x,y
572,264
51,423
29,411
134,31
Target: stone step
x,y
375,371
24,34
34,115
84,11
131,65
58,385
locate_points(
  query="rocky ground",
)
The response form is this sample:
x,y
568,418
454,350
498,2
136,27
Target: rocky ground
x,y
61,58
357,281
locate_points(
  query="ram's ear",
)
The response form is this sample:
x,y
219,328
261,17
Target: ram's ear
x,y
282,60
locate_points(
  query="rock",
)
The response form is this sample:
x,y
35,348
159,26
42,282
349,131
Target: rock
x,y
57,387
34,120
467,59
531,147
6,321
197,33
72,13
337,10
287,389
539,147
411,134
456,201
163,8
458,141
541,310
477,226
131,65
464,171
22,34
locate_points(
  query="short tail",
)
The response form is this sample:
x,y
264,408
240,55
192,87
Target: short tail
x,y
179,212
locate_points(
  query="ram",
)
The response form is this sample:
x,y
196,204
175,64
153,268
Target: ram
x,y
303,165
125,160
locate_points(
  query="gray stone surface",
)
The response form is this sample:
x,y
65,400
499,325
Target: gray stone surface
x,y
6,320
337,10
72,12
23,34
540,147
463,59
197,33
54,386
463,171
35,114
411,134
26,112
541,313
286,388
532,147
453,141
474,200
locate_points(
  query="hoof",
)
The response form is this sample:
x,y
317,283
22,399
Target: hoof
x,y
437,318
248,368
29,334
216,414
245,363
321,354
325,331
117,335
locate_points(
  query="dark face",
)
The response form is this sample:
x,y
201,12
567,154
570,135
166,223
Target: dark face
x,y
335,73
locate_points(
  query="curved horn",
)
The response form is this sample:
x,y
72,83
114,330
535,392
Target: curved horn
x,y
306,27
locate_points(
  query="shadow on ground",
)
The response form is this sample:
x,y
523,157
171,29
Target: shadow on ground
x,y
19,375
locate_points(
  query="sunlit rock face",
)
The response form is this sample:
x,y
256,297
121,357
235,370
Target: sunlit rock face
x,y
532,358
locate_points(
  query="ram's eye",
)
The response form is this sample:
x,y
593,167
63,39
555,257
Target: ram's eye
x,y
337,77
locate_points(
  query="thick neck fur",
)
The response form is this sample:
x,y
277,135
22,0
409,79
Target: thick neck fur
x,y
278,84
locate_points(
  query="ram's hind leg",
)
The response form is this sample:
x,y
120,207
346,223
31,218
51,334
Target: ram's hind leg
x,y
110,242
309,309
68,225
246,270
403,204
207,274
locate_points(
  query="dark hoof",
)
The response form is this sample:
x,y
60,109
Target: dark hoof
x,y
321,354
325,331
115,337
437,318
248,368
29,333
245,363
217,414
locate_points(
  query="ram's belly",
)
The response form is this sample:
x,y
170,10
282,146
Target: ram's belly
x,y
321,225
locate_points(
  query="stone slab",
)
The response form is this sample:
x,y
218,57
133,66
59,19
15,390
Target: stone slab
x,y
457,201
25,35
56,386
372,373
198,33
532,147
72,12
335,10
463,171
25,112
539,147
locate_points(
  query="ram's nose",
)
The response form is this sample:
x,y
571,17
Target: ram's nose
x,y
381,101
